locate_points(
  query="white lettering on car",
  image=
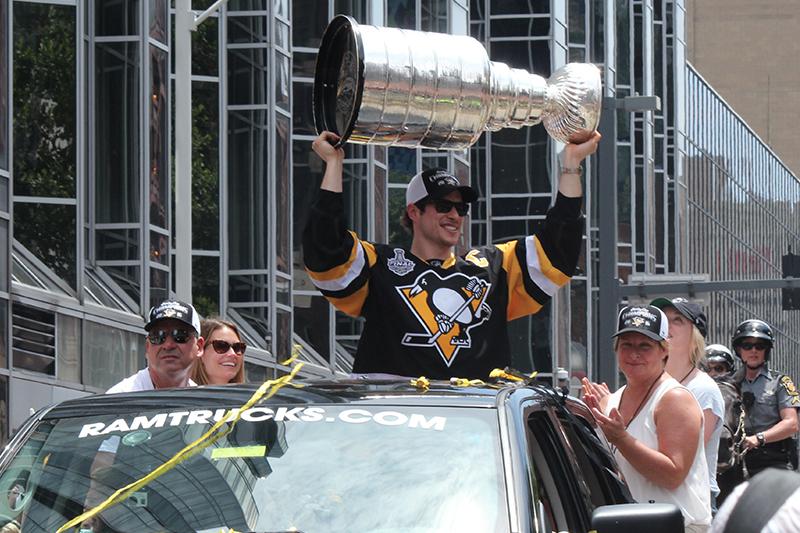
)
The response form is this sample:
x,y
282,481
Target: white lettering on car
x,y
117,425
198,417
142,422
390,418
351,416
91,429
287,414
257,414
419,421
262,414
176,417
312,414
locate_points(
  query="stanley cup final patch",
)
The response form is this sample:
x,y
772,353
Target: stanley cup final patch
x,y
447,308
399,264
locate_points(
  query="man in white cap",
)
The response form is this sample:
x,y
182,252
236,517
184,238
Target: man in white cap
x,y
173,343
429,312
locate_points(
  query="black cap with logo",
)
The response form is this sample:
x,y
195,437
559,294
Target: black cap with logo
x,y
175,310
690,310
645,319
436,183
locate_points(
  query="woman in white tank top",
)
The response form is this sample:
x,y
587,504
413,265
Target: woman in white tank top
x,y
653,423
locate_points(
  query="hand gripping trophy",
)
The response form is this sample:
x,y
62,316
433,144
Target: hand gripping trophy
x,y
396,87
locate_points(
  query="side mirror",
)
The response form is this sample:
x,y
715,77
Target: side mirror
x,y
650,517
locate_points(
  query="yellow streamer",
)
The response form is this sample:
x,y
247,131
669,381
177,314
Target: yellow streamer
x,y
464,382
264,392
422,383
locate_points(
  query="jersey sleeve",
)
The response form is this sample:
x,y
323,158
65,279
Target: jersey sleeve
x,y
336,260
538,265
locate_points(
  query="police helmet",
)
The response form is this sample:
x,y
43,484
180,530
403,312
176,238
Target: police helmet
x,y
721,354
753,328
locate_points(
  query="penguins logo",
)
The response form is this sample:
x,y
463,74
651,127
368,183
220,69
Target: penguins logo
x,y
447,308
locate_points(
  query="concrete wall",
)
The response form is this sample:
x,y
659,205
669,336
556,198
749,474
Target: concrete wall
x,y
750,53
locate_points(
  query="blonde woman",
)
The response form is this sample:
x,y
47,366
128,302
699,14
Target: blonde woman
x,y
687,346
222,359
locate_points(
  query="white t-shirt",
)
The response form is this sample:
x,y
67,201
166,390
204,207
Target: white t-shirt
x,y
138,382
693,495
708,395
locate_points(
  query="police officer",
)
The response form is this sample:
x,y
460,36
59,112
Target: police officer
x,y
770,399
718,361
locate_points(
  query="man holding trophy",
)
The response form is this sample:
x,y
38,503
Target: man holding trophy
x,y
427,311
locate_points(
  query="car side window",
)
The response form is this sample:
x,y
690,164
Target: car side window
x,y
600,482
552,480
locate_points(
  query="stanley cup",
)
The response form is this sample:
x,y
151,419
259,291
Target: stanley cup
x,y
396,87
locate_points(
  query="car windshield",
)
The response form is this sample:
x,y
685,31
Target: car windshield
x,y
319,468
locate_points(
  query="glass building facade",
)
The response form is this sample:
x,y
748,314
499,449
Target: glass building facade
x,y
87,174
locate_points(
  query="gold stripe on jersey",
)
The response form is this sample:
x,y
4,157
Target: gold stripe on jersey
x,y
520,303
341,276
353,303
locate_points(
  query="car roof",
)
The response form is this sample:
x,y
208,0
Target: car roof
x,y
396,391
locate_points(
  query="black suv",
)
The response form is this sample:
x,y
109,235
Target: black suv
x,y
381,456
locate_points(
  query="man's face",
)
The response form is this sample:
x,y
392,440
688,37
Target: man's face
x,y
753,351
716,367
171,359
440,229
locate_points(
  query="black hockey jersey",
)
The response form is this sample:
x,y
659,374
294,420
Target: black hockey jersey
x,y
438,321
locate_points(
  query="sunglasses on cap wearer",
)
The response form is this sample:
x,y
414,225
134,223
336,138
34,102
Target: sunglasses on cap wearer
x,y
760,346
222,347
159,336
444,206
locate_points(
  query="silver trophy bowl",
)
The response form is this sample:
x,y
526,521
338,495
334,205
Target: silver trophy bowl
x,y
393,87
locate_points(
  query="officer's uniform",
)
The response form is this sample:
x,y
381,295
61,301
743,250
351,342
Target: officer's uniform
x,y
771,392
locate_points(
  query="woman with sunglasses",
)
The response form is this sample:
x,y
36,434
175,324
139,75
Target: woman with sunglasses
x,y
771,412
222,359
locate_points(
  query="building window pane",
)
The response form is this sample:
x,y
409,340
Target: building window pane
x,y
401,14
205,284
3,411
50,238
307,176
3,334
68,349
158,20
254,373
159,248
117,132
116,18
205,166
312,322
282,345
282,206
33,339
159,285
110,354
44,100
3,88
159,119
252,29
282,81
3,255
248,207
397,233
308,23
434,16
205,42
248,76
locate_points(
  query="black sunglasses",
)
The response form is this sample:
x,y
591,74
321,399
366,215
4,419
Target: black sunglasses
x,y
717,368
221,346
760,346
444,206
159,336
